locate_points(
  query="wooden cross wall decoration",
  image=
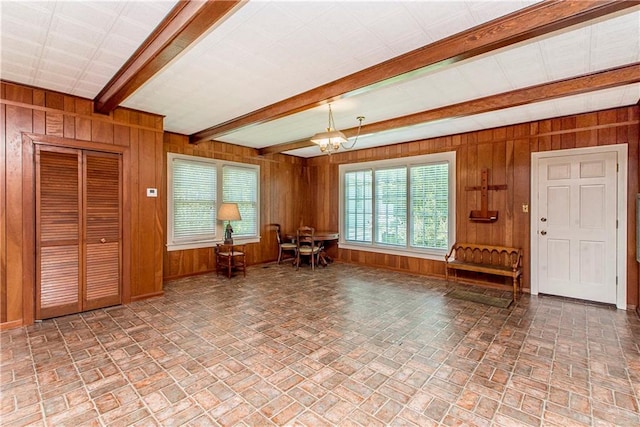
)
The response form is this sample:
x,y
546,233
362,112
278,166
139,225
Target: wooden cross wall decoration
x,y
484,214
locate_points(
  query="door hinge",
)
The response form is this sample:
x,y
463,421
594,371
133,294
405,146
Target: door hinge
x,y
617,167
616,224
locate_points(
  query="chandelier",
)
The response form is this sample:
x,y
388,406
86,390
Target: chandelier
x,y
331,140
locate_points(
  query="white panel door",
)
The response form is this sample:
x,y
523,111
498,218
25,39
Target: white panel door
x,y
577,226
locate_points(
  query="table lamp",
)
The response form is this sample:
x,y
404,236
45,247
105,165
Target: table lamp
x,y
228,212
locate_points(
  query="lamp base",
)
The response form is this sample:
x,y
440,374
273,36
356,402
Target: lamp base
x,y
228,240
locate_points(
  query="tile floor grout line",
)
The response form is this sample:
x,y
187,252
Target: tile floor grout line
x,y
208,369
73,362
176,381
117,365
378,346
484,355
35,375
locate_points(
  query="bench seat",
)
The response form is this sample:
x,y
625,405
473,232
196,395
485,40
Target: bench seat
x,y
497,260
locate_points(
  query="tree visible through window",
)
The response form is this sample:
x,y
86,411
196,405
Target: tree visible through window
x,y
430,206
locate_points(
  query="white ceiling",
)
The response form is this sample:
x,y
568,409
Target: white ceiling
x,y
268,51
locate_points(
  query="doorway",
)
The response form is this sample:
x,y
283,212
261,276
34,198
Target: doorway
x,y
78,230
578,224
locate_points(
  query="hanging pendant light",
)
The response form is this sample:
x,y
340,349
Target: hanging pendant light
x,y
331,140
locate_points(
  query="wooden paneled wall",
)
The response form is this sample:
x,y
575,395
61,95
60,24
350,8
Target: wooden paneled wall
x,y
506,152
294,191
29,114
285,199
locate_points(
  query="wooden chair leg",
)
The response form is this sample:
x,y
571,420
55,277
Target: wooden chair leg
x,y
515,288
279,254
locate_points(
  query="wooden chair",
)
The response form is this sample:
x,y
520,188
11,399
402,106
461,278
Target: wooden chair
x,y
230,258
307,246
284,246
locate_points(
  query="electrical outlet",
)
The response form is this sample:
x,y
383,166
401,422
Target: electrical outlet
x,y
525,208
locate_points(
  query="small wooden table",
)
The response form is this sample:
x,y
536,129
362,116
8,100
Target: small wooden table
x,y
322,237
230,258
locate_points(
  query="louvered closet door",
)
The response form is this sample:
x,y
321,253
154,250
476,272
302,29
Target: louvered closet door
x,y
58,232
102,284
78,231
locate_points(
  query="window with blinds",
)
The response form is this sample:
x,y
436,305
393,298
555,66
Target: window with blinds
x,y
196,187
399,206
430,206
391,206
358,205
240,186
194,200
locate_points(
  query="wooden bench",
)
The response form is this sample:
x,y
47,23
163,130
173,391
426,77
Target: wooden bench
x,y
497,260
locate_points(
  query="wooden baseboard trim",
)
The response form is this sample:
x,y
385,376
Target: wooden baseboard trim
x,y
147,296
11,325
182,276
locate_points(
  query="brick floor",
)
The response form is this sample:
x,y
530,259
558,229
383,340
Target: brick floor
x,y
344,345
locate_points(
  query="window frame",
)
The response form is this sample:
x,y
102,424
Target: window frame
x,y
174,244
407,162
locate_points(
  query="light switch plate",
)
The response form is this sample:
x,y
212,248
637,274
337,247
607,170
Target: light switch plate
x,y
152,192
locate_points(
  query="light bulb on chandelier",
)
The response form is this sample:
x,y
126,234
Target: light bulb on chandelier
x,y
331,140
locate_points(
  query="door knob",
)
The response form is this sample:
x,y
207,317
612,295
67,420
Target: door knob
x,y
543,219
544,233
103,240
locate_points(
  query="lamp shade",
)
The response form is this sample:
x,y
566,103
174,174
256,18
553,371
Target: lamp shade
x,y
229,212
329,137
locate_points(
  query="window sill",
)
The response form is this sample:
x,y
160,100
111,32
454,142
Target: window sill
x,y
209,243
431,255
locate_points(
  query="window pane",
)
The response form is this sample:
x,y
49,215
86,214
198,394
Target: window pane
x,y
240,185
391,206
194,200
430,206
358,205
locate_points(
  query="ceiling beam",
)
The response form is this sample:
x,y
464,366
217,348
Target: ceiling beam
x,y
534,21
186,22
614,77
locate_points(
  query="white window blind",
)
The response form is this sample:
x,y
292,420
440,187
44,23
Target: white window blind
x,y
358,205
194,200
241,187
391,206
430,206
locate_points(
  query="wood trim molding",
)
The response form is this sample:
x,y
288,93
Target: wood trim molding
x,y
100,118
76,144
534,21
11,325
147,296
186,22
28,231
614,77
